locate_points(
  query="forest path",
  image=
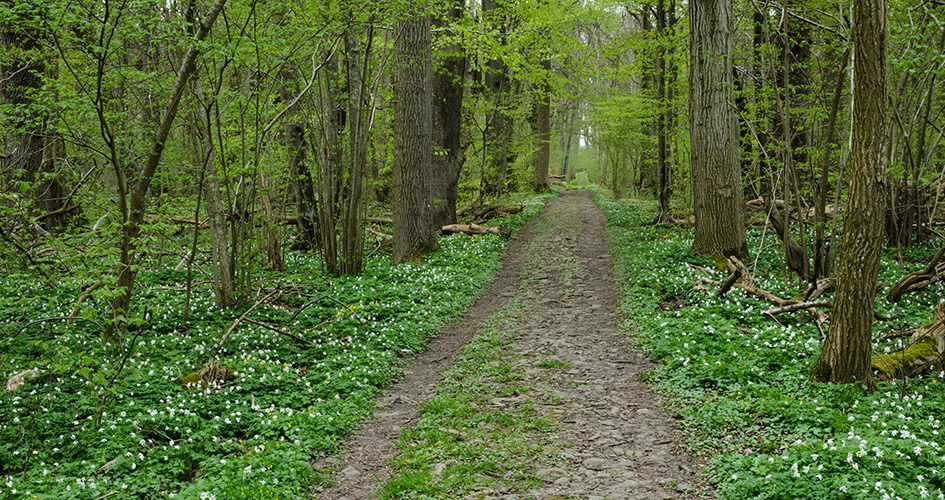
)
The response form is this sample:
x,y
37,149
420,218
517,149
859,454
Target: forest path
x,y
610,439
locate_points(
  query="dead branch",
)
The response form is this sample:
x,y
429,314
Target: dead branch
x,y
748,286
280,332
316,300
85,296
243,317
821,287
474,229
797,307
917,280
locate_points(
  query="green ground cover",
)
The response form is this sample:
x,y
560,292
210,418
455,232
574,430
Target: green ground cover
x,y
100,421
744,397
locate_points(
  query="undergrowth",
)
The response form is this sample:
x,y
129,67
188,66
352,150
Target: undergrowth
x,y
96,420
738,381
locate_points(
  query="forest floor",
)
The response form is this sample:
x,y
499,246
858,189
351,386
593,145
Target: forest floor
x,y
571,364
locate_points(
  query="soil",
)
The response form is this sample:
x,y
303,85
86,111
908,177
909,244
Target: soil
x,y
620,444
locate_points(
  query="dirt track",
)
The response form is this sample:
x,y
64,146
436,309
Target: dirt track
x,y
618,443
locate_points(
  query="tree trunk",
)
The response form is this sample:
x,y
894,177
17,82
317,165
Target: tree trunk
x,y
224,284
305,190
414,231
352,232
663,167
448,123
499,123
22,71
133,213
846,353
717,193
540,181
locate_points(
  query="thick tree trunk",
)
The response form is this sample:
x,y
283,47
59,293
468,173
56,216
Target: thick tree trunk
x,y
540,182
414,231
716,184
499,123
448,123
846,353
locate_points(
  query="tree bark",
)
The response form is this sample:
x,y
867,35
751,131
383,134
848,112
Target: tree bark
x,y
414,230
716,184
448,158
540,182
846,353
499,123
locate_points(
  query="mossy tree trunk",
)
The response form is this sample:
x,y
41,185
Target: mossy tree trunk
x,y
847,351
719,205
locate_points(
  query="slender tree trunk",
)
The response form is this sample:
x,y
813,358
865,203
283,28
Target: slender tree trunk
x,y
846,353
663,167
352,232
133,214
719,205
414,231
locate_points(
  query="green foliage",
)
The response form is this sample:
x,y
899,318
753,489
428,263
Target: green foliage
x,y
738,381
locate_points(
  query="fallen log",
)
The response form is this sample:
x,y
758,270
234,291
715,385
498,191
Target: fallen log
x,y
923,353
474,229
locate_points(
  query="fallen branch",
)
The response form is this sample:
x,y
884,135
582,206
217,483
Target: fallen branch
x,y
821,287
747,285
280,332
85,296
243,317
797,306
917,280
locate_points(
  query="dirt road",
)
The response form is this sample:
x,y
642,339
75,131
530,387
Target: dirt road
x,y
615,439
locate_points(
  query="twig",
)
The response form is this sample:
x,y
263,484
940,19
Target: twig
x,y
326,296
280,332
243,317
